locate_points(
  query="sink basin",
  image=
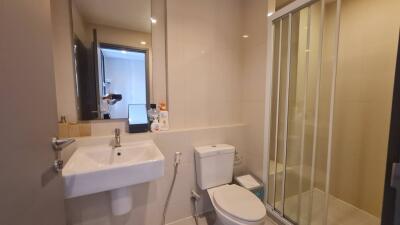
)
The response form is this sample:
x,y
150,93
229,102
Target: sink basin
x,y
93,169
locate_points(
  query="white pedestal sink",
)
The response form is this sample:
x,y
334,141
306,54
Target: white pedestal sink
x,y
99,168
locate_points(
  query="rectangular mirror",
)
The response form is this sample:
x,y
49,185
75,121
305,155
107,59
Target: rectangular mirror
x,y
112,49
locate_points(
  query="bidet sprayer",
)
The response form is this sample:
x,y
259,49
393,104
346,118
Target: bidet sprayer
x,y
178,156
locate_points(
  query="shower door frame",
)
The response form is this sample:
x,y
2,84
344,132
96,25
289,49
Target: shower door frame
x,y
288,11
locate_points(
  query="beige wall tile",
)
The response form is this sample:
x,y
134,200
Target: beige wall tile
x,y
204,62
253,81
206,100
63,130
149,198
62,54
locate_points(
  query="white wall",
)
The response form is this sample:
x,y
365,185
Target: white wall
x,y
254,57
204,62
158,41
62,55
80,27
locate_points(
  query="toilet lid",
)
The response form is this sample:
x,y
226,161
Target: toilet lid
x,y
239,203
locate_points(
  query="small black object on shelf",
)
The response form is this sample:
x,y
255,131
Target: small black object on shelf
x,y
137,118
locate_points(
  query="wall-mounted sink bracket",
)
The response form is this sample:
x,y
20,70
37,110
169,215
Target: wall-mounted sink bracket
x,y
58,165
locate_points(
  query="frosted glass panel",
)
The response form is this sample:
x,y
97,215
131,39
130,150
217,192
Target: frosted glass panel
x,y
282,122
296,113
273,169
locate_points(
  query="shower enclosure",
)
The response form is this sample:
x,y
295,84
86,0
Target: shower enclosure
x,y
331,71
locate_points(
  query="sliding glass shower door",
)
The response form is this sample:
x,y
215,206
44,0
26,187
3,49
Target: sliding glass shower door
x,y
331,79
302,76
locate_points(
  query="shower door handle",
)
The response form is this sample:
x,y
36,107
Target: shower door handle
x,y
395,180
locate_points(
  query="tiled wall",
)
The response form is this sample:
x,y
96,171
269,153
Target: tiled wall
x,y
149,198
366,69
254,57
215,75
216,80
62,58
204,62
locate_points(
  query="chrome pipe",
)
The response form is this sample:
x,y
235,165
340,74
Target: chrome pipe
x,y
60,144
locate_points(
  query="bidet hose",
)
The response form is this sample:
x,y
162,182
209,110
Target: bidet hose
x,y
169,193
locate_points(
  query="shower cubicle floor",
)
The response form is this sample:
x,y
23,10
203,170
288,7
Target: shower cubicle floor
x,y
340,212
204,220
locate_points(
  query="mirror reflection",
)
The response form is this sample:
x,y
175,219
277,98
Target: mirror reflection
x,y
112,57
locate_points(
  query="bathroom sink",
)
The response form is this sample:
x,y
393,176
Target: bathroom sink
x,y
93,169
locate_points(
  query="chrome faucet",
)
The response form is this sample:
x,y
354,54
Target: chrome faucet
x,y
117,138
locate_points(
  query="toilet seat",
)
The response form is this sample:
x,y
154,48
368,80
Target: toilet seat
x,y
238,203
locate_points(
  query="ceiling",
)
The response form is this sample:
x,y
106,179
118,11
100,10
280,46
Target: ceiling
x,y
127,14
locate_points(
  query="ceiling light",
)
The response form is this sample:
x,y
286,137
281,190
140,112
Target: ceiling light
x,y
245,36
270,14
153,20
143,43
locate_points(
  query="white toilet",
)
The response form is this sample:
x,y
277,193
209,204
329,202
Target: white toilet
x,y
234,205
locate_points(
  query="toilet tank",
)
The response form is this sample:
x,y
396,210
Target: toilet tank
x,y
214,165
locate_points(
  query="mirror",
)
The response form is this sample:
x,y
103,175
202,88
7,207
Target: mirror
x,y
112,48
